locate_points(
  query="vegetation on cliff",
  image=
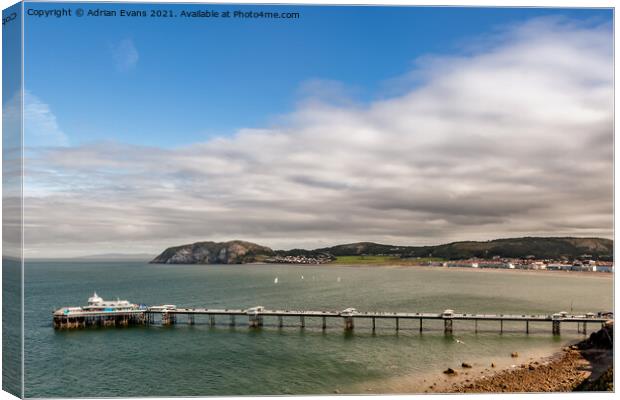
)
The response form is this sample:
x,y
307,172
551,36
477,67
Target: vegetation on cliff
x,y
539,247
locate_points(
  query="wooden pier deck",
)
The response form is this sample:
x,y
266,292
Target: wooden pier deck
x,y
256,316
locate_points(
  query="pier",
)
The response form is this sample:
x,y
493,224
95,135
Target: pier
x,y
166,315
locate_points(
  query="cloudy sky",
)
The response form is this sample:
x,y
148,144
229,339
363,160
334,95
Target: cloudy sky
x,y
500,125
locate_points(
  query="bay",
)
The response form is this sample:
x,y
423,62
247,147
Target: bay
x,y
201,360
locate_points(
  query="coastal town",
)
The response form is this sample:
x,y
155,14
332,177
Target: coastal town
x,y
584,263
317,259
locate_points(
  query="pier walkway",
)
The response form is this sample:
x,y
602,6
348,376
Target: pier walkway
x,y
170,315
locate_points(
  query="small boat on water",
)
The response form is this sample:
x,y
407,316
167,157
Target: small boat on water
x,y
275,280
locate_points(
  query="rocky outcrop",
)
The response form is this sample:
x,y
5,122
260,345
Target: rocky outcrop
x,y
233,252
601,339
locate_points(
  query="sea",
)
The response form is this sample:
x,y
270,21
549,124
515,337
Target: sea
x,y
200,360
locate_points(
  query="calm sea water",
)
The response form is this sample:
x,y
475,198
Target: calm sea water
x,y
200,360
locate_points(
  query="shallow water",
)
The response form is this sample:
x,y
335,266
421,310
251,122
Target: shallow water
x,y
200,360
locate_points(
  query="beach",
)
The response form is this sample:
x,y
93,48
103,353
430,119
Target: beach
x,y
569,367
435,381
576,367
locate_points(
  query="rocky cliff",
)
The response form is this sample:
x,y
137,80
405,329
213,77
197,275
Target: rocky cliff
x,y
233,252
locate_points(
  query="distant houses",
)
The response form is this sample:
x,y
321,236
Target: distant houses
x,y
529,263
584,264
318,259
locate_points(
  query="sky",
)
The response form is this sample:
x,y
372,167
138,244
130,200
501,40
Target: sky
x,y
388,124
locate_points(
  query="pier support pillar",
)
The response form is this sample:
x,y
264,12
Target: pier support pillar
x,y
421,325
348,323
280,321
190,319
476,326
555,327
447,326
212,320
232,320
166,319
397,324
302,321
527,327
373,324
585,328
501,326
324,323
255,321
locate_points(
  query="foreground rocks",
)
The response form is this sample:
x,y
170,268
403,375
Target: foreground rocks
x,y
586,366
562,374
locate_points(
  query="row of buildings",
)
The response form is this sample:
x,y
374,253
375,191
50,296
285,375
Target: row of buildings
x,y
551,265
318,259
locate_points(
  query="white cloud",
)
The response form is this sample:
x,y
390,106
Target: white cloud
x,y
515,140
125,55
40,124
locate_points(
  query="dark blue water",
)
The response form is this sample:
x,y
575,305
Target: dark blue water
x,y
201,360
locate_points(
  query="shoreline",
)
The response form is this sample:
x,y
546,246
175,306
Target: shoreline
x,y
562,372
477,270
436,381
575,368
605,275
573,365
